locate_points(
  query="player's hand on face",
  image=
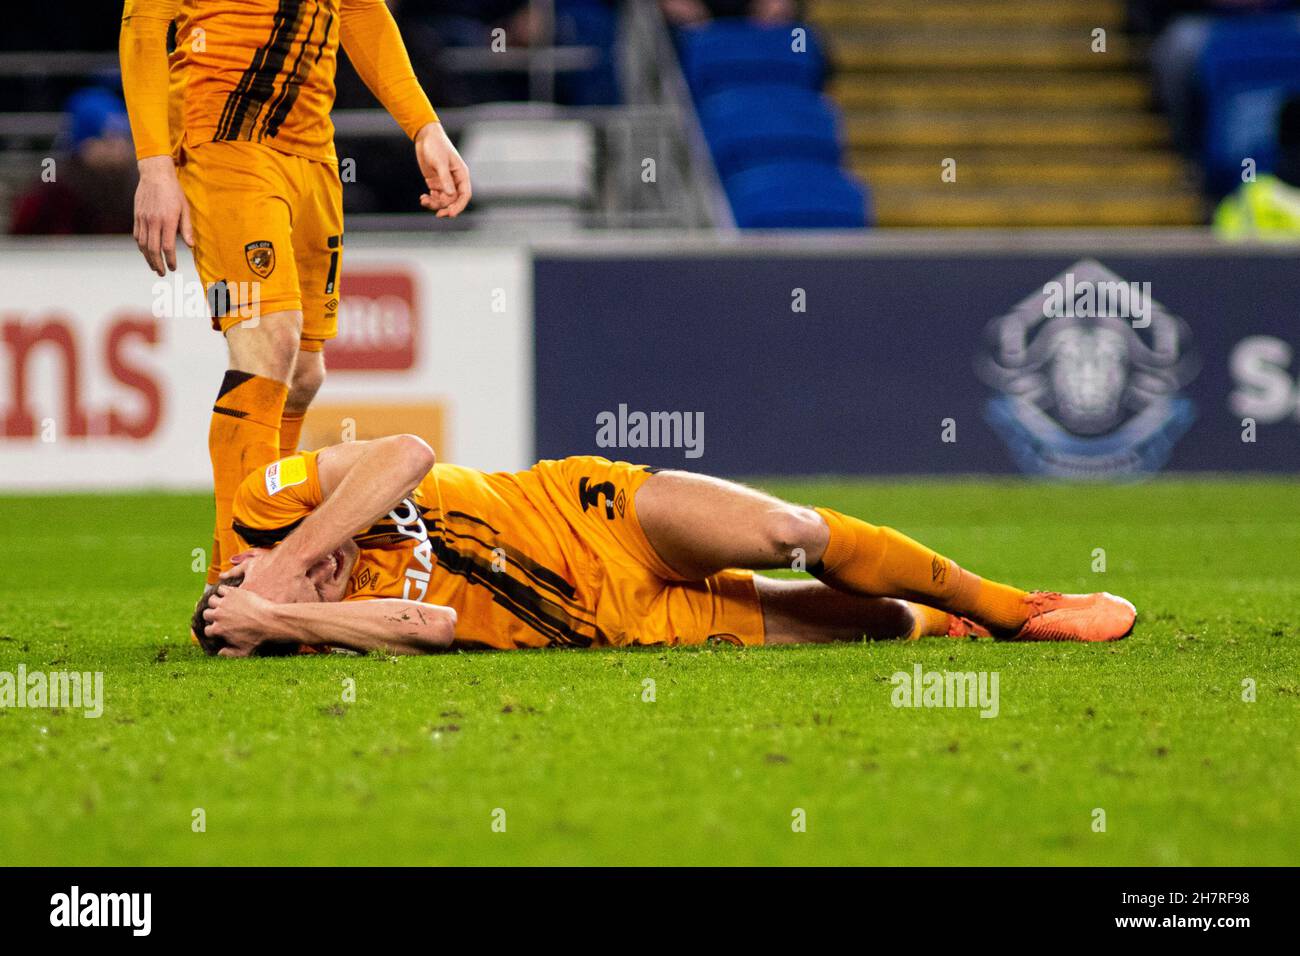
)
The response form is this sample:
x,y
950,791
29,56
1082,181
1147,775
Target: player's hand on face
x,y
238,617
445,173
276,576
161,211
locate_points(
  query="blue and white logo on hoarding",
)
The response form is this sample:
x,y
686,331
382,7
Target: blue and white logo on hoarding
x,y
1088,373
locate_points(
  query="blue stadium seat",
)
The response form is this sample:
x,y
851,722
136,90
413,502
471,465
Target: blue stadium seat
x,y
797,195
1248,68
752,125
588,23
729,53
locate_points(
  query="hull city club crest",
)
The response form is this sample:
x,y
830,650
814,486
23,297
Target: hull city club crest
x,y
261,258
1088,372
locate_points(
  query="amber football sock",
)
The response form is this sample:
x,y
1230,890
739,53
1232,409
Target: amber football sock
x,y
290,432
244,436
214,562
882,562
929,621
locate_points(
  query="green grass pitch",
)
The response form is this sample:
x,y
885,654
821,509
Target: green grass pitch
x,y
1154,730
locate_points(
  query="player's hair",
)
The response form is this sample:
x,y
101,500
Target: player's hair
x,y
199,626
211,643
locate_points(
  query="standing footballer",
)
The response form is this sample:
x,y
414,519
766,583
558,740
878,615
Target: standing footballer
x,y
236,153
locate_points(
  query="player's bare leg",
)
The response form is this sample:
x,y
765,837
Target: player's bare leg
x,y
267,345
700,525
308,376
245,428
809,612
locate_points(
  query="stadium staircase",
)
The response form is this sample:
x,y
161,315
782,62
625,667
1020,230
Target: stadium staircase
x,y
1045,132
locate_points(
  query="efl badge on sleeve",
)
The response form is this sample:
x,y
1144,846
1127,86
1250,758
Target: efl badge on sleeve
x,y
285,473
261,257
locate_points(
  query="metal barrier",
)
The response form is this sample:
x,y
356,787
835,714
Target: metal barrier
x,y
678,190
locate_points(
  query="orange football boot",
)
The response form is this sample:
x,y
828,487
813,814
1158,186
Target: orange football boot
x,y
1076,617
962,627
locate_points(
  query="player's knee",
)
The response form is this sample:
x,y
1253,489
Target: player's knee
x,y
896,618
795,531
268,347
308,377
282,336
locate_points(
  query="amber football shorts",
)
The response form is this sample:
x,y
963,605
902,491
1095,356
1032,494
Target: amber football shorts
x,y
268,234
640,599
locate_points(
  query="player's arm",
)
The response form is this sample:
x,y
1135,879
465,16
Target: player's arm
x,y
374,45
246,621
359,482
160,206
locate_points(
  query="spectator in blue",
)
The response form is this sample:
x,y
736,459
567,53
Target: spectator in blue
x,y
1184,30
88,186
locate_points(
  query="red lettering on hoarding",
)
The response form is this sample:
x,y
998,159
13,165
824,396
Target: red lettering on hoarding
x,y
22,340
146,423
378,323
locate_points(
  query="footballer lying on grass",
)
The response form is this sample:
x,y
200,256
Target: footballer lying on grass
x,y
372,546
